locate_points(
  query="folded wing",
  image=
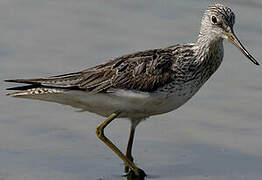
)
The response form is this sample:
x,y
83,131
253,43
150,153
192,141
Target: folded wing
x,y
141,71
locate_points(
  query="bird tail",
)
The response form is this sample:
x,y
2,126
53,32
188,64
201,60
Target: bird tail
x,y
34,88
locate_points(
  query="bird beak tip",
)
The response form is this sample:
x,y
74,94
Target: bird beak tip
x,y
231,37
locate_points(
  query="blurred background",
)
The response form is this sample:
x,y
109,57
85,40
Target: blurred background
x,y
216,135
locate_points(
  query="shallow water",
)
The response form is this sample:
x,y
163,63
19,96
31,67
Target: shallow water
x,y
216,135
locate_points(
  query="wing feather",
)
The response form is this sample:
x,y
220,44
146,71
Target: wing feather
x,y
142,71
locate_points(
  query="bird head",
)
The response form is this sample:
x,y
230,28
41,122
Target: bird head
x,y
217,23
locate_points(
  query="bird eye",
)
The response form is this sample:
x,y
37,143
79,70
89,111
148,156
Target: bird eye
x,y
214,19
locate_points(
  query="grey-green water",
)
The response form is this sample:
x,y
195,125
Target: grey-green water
x,y
217,135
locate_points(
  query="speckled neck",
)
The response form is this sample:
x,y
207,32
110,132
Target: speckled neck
x,y
210,54
210,48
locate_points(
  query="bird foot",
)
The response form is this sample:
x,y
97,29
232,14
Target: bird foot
x,y
131,175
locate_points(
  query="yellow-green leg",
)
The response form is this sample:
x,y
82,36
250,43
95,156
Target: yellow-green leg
x,y
100,134
129,147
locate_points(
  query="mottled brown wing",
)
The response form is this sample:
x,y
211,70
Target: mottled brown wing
x,y
143,71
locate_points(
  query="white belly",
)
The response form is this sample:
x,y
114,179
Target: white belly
x,y
132,104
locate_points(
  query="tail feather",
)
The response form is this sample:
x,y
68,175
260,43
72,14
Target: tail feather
x,y
35,87
32,84
24,87
26,81
35,91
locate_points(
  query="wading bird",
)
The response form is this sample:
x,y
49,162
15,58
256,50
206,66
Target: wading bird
x,y
142,84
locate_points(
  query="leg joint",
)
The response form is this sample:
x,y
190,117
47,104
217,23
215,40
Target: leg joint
x,y
99,132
